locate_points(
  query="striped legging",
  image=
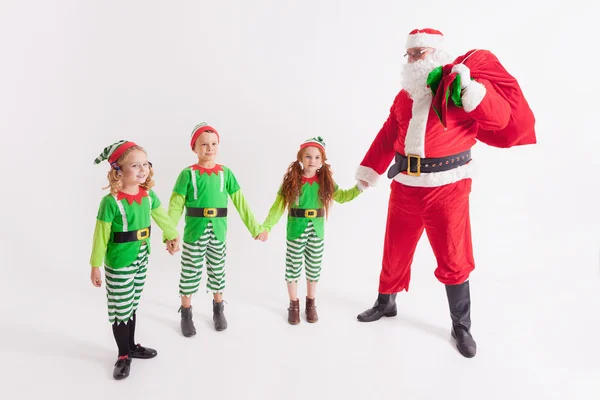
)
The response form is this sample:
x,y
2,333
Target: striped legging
x,y
192,260
124,287
311,247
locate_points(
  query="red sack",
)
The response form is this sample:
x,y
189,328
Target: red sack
x,y
485,65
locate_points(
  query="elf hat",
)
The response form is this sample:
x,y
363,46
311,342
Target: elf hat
x,y
315,141
114,151
198,129
425,38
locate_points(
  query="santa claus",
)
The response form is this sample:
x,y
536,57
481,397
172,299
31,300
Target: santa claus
x,y
445,107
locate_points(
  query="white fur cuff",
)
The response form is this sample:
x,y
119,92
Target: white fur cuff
x,y
473,95
366,174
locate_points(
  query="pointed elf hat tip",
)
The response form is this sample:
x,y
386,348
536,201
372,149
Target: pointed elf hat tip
x,y
114,151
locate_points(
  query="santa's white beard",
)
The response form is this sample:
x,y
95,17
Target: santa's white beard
x,y
414,75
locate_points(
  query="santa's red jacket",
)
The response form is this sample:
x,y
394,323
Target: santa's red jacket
x,y
494,111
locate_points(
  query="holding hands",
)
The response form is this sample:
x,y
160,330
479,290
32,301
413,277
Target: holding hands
x,y
173,246
263,236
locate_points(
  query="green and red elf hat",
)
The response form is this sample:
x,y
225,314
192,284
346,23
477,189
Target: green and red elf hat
x,y
114,151
198,129
315,141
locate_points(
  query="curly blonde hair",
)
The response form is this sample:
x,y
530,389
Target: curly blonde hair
x,y
292,182
115,182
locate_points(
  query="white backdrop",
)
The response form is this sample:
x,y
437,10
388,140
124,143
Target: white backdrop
x,y
76,76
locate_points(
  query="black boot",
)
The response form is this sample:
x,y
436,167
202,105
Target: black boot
x,y
123,364
137,350
385,306
187,325
122,367
459,300
218,316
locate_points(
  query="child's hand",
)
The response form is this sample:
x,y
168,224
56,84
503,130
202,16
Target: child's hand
x,y
263,236
362,185
96,277
173,246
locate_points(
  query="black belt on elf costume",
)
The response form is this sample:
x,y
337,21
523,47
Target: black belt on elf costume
x,y
307,213
206,212
415,165
131,236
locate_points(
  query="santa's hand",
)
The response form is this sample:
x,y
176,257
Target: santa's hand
x,y
465,74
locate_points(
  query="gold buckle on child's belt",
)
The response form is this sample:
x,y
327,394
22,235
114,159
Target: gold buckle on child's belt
x,y
131,236
143,234
209,212
310,213
306,213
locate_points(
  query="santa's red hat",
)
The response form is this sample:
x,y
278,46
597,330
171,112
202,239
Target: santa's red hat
x,y
425,38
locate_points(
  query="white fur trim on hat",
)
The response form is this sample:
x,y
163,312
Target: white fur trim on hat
x,y
425,38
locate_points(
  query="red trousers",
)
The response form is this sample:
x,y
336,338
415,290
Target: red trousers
x,y
443,212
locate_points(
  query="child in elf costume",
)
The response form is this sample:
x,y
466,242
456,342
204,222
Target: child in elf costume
x,y
203,189
122,242
307,192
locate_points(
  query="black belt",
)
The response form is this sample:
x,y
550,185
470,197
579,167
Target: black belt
x,y
131,236
206,212
420,165
307,213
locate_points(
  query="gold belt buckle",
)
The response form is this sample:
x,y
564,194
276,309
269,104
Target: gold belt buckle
x,y
418,158
210,212
143,234
312,213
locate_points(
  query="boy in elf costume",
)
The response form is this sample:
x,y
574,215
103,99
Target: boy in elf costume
x,y
203,190
307,192
122,242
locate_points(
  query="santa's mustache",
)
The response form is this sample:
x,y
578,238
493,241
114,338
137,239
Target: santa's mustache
x,y
414,75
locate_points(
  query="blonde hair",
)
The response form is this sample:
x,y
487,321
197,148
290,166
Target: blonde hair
x,y
115,180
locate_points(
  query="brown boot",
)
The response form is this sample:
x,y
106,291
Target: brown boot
x,y
294,312
311,310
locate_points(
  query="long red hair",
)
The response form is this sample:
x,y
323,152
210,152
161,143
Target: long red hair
x,y
292,181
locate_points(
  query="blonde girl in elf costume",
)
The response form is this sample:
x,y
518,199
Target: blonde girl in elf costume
x,y
203,190
307,192
122,242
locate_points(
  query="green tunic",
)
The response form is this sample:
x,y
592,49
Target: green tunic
x,y
309,199
120,216
199,189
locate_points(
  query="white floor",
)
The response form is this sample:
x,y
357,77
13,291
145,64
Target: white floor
x,y
537,331
77,76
